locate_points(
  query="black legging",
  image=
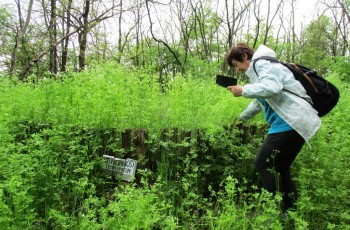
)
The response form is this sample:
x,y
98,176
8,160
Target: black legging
x,y
276,155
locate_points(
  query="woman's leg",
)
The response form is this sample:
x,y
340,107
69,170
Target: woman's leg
x,y
273,164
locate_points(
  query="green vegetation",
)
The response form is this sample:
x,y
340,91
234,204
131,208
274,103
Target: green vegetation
x,y
65,102
54,132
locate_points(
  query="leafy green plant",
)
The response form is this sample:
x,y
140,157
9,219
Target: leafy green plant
x,y
201,175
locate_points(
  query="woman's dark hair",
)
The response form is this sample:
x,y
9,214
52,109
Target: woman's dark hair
x,y
237,52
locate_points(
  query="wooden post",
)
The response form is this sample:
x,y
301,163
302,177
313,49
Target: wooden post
x,y
238,128
141,136
175,135
113,136
253,130
262,131
245,136
184,148
186,136
126,142
164,135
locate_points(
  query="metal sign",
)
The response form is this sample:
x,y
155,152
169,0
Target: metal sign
x,y
123,168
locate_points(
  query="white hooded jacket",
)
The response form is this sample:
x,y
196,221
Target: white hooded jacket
x,y
273,77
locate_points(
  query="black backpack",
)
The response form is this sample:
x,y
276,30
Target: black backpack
x,y
324,94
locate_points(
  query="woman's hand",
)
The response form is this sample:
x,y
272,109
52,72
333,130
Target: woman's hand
x,y
236,90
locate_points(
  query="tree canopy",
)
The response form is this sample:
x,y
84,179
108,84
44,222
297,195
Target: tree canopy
x,y
171,37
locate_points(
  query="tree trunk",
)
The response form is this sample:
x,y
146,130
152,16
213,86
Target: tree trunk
x,y
53,38
83,36
120,45
257,15
268,22
66,40
20,33
229,27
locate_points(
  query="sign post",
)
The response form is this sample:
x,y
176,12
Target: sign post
x,y
122,168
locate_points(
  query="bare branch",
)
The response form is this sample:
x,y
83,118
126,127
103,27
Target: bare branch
x,y
160,40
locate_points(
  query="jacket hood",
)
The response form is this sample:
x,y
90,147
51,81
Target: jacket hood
x,y
263,51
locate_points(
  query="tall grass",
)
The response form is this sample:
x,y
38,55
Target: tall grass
x,y
324,169
112,96
51,144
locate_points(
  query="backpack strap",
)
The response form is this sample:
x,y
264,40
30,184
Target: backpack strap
x,y
289,66
267,58
306,77
275,60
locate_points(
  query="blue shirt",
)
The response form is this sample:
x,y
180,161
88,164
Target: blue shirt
x,y
277,124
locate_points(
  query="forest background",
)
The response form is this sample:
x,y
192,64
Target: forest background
x,y
75,75
170,37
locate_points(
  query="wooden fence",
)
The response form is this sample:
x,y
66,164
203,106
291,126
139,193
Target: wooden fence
x,y
134,142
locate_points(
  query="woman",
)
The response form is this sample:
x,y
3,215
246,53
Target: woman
x,y
292,119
